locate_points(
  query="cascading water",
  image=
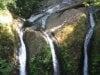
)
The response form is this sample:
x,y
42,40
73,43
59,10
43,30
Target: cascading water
x,y
22,54
87,41
54,57
42,18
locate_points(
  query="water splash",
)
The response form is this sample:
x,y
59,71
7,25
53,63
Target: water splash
x,y
54,57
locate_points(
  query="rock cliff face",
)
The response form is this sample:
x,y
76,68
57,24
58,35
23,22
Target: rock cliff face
x,y
67,30
69,39
34,41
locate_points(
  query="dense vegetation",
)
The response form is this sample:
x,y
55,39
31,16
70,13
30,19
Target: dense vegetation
x,y
25,8
6,51
96,2
41,63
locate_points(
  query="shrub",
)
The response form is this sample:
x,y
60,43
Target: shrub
x,y
93,3
6,43
4,3
5,67
6,50
96,2
41,63
24,8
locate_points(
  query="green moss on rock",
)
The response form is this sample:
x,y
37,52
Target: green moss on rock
x,y
71,39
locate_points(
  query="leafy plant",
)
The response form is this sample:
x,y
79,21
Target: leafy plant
x,y
96,2
5,67
6,50
41,63
4,3
6,43
93,3
24,8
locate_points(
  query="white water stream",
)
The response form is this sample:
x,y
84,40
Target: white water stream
x,y
54,57
22,54
42,18
87,41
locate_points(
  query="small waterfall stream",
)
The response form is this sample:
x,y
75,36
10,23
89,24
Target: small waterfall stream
x,y
54,57
22,54
87,41
41,19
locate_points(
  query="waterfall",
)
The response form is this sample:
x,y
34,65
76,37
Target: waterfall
x,y
22,54
54,57
87,41
42,18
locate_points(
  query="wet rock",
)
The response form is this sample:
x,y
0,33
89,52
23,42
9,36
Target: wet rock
x,y
34,41
64,18
69,38
27,24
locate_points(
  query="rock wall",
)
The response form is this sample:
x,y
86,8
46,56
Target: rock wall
x,y
69,39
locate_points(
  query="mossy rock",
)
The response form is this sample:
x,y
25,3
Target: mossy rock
x,y
70,40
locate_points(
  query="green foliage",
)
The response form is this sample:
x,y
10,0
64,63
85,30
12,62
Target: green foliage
x,y
96,2
41,63
5,67
4,3
6,43
6,50
92,3
25,8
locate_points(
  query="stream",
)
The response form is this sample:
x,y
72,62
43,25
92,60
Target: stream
x,y
54,57
41,19
21,53
87,41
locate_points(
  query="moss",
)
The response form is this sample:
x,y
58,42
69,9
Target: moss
x,y
70,48
95,49
41,63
